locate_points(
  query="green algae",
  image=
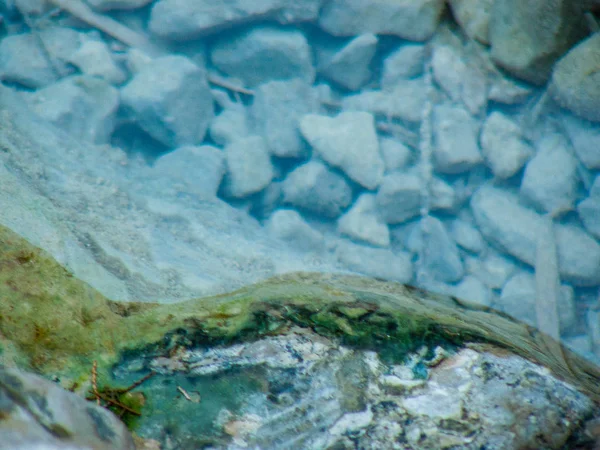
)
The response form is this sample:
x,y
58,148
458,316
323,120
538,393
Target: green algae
x,y
56,325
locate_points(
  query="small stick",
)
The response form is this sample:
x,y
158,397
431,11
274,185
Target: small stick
x,y
119,404
214,79
109,26
185,394
138,382
94,382
128,36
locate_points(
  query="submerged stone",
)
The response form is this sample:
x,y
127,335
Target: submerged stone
x,y
298,361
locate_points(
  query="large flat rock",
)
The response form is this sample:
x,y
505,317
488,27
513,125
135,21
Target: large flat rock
x,y
121,226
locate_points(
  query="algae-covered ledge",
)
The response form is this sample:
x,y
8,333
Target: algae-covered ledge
x,y
58,326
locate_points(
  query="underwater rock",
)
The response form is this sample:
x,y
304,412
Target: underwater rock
x,y
170,100
317,189
502,144
473,17
187,19
407,61
455,135
460,76
349,142
84,106
575,79
106,5
362,223
301,360
94,58
400,197
288,225
350,65
416,20
249,167
589,209
380,263
404,100
585,139
37,413
527,38
396,155
22,61
275,113
550,180
264,53
514,228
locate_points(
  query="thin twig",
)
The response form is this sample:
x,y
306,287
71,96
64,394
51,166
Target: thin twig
x,y
185,394
94,382
119,404
129,37
137,383
109,26
222,82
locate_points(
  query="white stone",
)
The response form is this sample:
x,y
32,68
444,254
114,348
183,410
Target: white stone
x,y
362,223
249,167
473,290
406,62
589,212
455,140
415,20
519,296
508,91
375,262
399,197
550,180
170,100
474,17
186,20
288,225
466,235
94,58
106,5
575,78
527,38
395,154
515,228
350,67
23,61
348,141
264,53
585,139
315,188
502,145
230,124
83,106
462,82
194,170
438,254
404,101
276,112
442,195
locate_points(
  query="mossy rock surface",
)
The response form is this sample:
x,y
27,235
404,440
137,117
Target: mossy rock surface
x,y
56,325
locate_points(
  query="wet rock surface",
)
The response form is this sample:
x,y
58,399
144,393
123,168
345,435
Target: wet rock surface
x,y
305,390
302,359
38,413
